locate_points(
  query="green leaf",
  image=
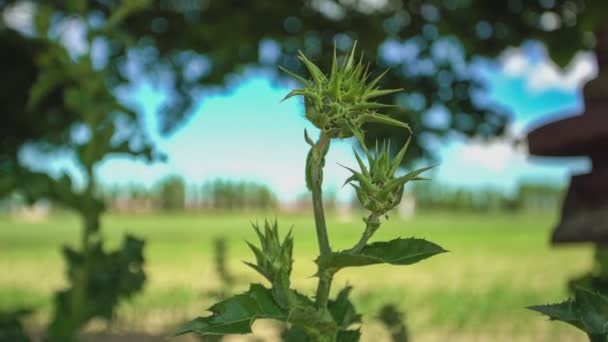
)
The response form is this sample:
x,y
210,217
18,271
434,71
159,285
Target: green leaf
x,y
348,335
386,120
295,76
235,315
592,309
559,312
378,92
314,71
395,252
342,309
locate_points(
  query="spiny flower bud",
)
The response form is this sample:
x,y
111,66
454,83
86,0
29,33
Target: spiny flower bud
x,y
377,188
339,103
274,259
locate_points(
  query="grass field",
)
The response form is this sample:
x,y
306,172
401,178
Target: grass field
x,y
497,265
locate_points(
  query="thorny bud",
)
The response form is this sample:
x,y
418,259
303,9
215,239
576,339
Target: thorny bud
x,y
339,104
377,187
274,259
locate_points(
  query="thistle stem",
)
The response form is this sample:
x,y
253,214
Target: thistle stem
x,y
316,171
372,225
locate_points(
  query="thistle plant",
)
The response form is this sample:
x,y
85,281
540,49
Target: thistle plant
x,y
338,104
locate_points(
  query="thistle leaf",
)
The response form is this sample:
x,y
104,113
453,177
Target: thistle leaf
x,y
297,77
559,312
307,138
348,63
342,309
371,85
361,164
383,119
395,252
588,311
399,157
293,93
235,315
408,177
314,71
592,308
381,92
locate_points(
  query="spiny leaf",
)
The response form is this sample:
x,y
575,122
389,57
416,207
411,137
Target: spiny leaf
x,y
381,92
399,157
560,312
307,138
235,315
408,177
348,62
396,252
295,76
314,71
372,84
588,311
361,164
383,119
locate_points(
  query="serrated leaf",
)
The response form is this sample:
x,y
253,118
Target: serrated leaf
x,y
592,310
342,309
235,315
559,312
395,252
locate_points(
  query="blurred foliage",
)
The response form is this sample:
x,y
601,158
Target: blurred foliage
x,y
394,322
112,277
597,278
11,328
62,104
428,45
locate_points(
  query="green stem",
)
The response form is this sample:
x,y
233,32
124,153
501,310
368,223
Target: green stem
x,y
371,226
316,172
90,216
598,338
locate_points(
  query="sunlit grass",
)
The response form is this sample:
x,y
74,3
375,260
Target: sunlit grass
x,y
497,265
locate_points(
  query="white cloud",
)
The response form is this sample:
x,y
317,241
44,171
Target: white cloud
x,y
514,63
541,74
494,156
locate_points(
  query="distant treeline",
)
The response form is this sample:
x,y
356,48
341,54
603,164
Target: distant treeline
x,y
529,197
174,194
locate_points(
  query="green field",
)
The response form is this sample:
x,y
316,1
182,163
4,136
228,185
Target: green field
x,y
497,265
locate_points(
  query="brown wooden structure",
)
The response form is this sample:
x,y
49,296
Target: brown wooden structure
x,y
584,216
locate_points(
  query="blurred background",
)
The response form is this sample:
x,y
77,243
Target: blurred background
x,y
169,115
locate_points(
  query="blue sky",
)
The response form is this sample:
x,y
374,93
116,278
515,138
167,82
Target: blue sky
x,y
247,133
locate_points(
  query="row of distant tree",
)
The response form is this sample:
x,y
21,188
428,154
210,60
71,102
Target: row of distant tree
x,y
174,194
529,196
